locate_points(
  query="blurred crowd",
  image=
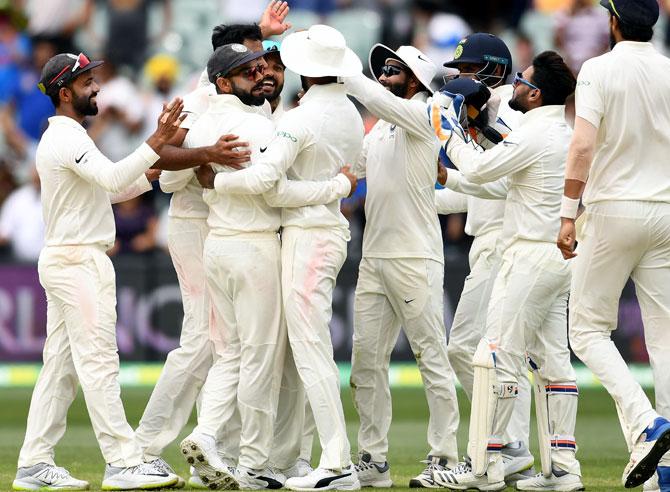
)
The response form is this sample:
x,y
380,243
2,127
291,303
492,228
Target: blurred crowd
x,y
155,49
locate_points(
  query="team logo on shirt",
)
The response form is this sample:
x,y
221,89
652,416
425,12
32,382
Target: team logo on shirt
x,y
77,161
287,135
583,82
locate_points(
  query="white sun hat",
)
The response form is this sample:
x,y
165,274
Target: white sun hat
x,y
421,66
321,51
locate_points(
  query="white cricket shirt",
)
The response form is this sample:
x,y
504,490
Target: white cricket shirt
x,y
533,157
399,162
625,94
77,181
312,142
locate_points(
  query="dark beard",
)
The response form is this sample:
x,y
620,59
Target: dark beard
x,y
398,90
84,105
517,106
247,98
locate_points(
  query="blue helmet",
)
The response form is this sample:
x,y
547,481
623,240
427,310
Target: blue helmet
x,y
485,49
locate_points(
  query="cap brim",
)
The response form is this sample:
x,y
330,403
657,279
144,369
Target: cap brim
x,y
298,58
606,4
90,66
454,63
250,57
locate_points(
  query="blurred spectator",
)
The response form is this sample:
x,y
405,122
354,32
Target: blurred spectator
x,y
127,37
24,110
582,32
136,226
246,12
57,19
161,71
21,223
14,48
7,181
524,52
117,127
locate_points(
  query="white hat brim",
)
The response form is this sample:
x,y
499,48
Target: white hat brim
x,y
377,59
299,58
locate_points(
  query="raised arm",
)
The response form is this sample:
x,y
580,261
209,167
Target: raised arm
x,y
406,113
295,193
450,202
139,186
495,190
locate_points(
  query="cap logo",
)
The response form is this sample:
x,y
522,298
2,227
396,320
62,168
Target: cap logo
x,y
458,52
239,48
496,59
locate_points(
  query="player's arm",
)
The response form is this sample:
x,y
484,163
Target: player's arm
x,y
86,160
297,193
495,190
450,202
138,187
515,153
406,113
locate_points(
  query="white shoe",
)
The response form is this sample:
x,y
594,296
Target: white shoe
x,y
511,480
373,473
143,476
647,452
462,478
194,481
199,450
43,476
425,478
565,483
516,461
250,479
323,479
651,485
299,469
164,466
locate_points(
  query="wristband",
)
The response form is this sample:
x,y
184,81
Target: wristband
x,y
569,207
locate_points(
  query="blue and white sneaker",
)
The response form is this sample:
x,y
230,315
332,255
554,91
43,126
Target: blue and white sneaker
x,y
372,473
647,452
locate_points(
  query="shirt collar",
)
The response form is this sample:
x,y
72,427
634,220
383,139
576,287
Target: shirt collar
x,y
553,111
66,120
220,103
326,91
633,46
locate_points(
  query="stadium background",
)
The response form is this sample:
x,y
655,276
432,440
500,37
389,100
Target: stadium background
x,y
158,49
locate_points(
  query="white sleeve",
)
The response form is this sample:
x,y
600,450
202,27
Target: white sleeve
x,y
140,186
406,113
171,181
450,202
86,160
294,193
360,166
514,153
589,96
291,137
495,190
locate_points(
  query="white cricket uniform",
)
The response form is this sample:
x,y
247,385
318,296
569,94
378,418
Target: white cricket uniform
x,y
527,311
401,274
626,232
79,281
312,142
484,222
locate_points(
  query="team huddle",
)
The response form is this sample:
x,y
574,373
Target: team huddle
x,y
257,239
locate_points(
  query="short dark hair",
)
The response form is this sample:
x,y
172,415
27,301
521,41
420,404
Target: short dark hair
x,y
631,32
553,77
235,33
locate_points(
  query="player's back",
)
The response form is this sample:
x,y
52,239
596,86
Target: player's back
x,y
626,94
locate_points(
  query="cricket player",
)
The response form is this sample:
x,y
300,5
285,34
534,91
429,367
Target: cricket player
x,y
311,143
617,164
79,185
526,319
242,264
485,57
400,278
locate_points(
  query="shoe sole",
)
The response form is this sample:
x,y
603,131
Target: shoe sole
x,y
510,473
513,478
554,489
354,486
24,488
384,484
418,484
644,470
149,486
213,478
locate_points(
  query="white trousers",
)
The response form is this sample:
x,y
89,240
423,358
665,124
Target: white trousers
x,y
527,319
244,280
621,240
81,346
186,366
469,326
391,293
311,260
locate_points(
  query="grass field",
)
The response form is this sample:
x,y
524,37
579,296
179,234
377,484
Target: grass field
x,y
601,447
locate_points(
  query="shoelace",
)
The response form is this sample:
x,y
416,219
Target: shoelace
x,y
53,473
431,467
362,466
461,468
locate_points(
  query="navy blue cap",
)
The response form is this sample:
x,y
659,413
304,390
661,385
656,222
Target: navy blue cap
x,y
63,68
641,13
481,48
474,92
227,57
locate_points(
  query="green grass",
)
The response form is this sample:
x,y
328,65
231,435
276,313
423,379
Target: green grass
x,y
602,450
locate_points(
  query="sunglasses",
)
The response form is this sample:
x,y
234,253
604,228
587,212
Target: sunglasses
x,y
391,70
518,79
250,73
